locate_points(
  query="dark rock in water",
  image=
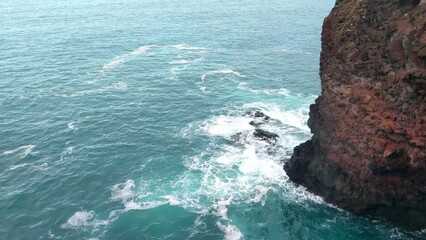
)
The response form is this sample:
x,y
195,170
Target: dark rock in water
x,y
256,123
259,114
368,149
265,135
237,138
260,118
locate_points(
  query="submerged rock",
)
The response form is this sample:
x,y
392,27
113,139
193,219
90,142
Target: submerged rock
x,y
266,136
368,149
259,117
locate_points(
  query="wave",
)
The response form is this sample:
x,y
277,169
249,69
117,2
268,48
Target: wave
x,y
23,150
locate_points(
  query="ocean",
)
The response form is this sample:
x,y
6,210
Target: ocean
x,y
133,120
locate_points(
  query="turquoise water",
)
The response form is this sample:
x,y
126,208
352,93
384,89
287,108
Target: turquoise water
x,y
118,120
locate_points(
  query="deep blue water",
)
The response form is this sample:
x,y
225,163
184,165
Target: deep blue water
x,y
119,120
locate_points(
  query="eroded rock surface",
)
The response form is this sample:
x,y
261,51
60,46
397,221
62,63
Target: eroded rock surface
x,y
368,150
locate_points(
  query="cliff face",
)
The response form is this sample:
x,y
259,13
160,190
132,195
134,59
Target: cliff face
x,y
368,150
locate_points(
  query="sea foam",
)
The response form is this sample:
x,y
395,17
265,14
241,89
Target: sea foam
x,y
79,219
23,151
222,71
187,47
119,60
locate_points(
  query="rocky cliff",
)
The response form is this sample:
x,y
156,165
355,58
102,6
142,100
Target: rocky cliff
x,y
368,149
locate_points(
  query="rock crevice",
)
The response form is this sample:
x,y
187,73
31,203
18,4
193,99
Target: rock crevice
x,y
368,149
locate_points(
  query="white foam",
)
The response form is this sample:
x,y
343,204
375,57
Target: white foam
x,y
118,85
231,231
173,201
224,174
68,151
16,166
72,126
119,60
187,47
123,192
289,50
79,219
222,71
247,172
131,205
141,49
180,61
276,92
153,204
203,89
114,63
227,125
296,118
181,64
23,150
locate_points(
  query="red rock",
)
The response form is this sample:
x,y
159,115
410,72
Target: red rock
x,y
368,149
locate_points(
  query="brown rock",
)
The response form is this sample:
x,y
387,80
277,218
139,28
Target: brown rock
x,y
368,149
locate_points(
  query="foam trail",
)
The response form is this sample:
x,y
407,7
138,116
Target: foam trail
x,y
114,86
231,231
25,151
79,219
119,60
18,166
141,49
180,61
187,47
115,63
278,91
287,50
124,192
223,71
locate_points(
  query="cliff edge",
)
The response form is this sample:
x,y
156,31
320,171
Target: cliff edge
x,y
368,149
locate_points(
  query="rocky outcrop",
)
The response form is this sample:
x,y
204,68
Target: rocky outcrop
x,y
368,149
266,135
